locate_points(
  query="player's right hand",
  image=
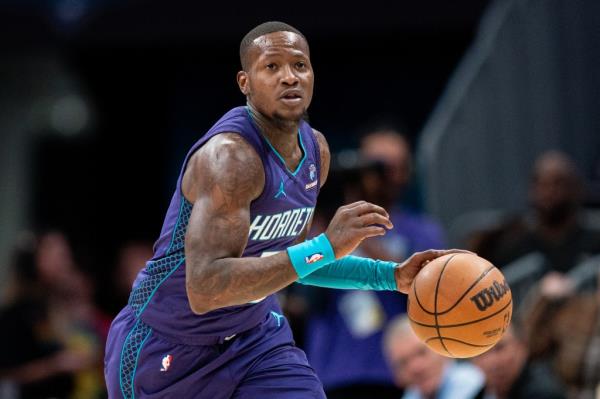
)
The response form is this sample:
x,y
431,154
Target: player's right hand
x,y
354,222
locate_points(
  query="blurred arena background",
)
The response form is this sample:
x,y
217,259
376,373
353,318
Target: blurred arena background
x,y
101,99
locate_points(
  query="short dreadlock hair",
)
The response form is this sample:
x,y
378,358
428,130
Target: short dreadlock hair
x,y
261,30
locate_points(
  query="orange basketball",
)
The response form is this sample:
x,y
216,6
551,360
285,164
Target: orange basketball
x,y
459,305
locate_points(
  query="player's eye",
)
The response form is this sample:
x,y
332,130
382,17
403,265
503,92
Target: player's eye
x,y
300,65
271,66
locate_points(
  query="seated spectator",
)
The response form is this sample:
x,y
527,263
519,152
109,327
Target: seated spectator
x,y
563,327
553,227
509,373
423,373
356,319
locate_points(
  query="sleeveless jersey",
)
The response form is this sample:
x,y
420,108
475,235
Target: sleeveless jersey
x,y
277,217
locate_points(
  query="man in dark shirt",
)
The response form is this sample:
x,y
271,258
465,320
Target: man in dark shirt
x,y
554,227
510,375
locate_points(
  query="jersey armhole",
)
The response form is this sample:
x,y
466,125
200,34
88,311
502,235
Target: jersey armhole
x,y
317,155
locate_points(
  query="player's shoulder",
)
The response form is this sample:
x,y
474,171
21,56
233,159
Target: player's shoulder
x,y
228,148
323,146
230,143
324,154
228,158
320,137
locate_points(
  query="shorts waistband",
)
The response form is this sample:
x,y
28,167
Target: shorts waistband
x,y
203,340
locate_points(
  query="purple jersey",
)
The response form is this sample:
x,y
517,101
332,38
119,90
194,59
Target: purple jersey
x,y
277,217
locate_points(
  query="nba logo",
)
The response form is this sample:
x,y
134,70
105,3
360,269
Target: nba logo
x,y
313,258
166,362
312,171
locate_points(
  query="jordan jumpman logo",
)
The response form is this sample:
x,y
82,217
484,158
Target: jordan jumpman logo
x,y
277,317
281,191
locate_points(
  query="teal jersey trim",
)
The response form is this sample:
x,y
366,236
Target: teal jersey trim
x,y
295,172
121,359
353,272
137,357
130,354
158,286
176,225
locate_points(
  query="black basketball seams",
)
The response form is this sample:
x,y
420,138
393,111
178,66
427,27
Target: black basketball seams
x,y
459,299
458,341
475,333
461,324
468,289
417,296
435,304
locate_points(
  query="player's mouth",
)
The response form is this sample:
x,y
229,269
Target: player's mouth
x,y
291,97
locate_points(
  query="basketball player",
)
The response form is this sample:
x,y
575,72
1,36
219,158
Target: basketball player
x,y
202,320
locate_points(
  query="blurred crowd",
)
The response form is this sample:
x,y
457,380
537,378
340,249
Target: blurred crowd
x,y
360,343
53,330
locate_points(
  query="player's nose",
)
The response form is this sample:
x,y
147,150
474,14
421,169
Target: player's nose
x,y
288,77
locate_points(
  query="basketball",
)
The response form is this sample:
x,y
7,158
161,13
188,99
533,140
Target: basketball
x,y
459,305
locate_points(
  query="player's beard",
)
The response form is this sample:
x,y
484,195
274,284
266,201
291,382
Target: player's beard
x,y
281,123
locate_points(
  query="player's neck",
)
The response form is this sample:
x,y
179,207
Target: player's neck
x,y
283,135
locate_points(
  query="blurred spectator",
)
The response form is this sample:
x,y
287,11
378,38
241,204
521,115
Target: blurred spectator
x,y
54,344
593,197
563,327
385,186
356,319
423,373
131,258
552,227
509,373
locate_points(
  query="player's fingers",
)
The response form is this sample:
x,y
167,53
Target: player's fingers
x,y
422,258
368,207
353,205
369,219
372,231
431,254
455,251
346,211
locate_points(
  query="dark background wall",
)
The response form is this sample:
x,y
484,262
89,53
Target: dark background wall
x,y
153,76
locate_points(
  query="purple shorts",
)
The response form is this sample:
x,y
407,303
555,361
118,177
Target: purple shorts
x,y
259,363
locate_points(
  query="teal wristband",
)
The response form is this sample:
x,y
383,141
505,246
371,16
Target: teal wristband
x,y
311,255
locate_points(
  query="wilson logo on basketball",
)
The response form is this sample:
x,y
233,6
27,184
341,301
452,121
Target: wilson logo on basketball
x,y
486,297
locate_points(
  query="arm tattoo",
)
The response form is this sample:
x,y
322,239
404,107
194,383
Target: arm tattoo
x,y
226,174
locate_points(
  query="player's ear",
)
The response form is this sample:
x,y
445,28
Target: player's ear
x,y
242,79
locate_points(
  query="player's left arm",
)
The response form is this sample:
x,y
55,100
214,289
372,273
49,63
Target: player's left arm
x,y
353,272
325,157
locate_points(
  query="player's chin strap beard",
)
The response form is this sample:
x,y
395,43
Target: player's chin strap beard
x,y
281,123
305,116
276,120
